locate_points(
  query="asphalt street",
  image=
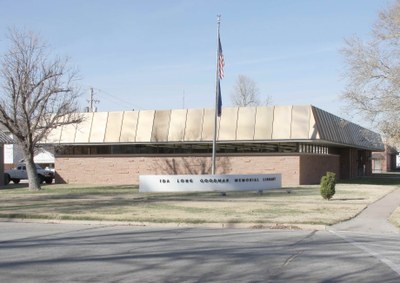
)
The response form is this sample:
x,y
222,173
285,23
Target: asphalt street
x,y
38,252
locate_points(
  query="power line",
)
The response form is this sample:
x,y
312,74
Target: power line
x,y
118,100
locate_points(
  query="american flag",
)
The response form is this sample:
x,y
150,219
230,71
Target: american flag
x,y
219,112
221,61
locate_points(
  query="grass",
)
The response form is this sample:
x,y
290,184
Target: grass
x,y
395,217
303,205
376,179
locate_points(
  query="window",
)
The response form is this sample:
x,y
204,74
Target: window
x,y
194,148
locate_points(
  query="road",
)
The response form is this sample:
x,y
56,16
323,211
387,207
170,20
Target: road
x,y
38,252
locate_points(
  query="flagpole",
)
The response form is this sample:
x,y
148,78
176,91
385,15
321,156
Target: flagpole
x,y
217,86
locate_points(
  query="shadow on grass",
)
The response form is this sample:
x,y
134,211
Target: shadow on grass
x,y
56,192
125,203
14,186
51,201
229,196
346,199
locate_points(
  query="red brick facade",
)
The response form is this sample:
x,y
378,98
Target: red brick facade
x,y
295,169
385,161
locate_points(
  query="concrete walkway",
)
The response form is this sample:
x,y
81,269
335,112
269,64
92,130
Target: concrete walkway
x,y
374,219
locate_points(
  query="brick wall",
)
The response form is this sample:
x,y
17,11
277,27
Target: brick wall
x,y
287,165
126,169
313,167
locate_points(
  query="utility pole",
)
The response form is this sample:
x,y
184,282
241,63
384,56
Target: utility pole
x,y
92,102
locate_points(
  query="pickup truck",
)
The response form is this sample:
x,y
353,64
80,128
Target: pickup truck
x,y
19,173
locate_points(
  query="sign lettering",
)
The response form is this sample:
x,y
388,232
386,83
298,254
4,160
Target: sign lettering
x,y
209,183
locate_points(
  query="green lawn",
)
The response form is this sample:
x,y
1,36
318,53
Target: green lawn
x,y
376,179
395,217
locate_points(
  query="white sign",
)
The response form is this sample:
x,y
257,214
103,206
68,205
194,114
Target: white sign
x,y
8,154
209,183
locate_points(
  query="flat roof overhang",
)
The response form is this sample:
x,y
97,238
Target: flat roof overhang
x,y
264,124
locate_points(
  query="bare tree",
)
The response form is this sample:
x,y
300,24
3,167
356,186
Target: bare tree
x,y
192,165
246,93
37,95
373,74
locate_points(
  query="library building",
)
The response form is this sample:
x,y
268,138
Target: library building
x,y
301,142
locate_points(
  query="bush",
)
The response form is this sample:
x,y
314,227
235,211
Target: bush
x,y
328,183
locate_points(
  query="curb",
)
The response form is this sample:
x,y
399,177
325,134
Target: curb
x,y
266,226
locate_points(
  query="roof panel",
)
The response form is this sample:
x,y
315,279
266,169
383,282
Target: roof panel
x,y
314,133
246,123
340,131
161,126
68,133
113,127
54,136
323,126
129,126
98,127
83,129
264,121
228,124
208,125
5,139
194,124
282,121
339,128
300,122
177,125
145,125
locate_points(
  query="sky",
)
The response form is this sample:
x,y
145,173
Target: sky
x,y
158,54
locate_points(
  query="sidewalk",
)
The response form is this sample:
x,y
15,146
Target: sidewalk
x,y
374,218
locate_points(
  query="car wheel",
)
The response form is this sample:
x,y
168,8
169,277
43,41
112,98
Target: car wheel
x,y
41,179
15,181
6,179
49,180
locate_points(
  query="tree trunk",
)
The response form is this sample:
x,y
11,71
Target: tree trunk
x,y
32,174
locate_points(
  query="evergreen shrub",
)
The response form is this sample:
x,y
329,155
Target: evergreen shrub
x,y
328,183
